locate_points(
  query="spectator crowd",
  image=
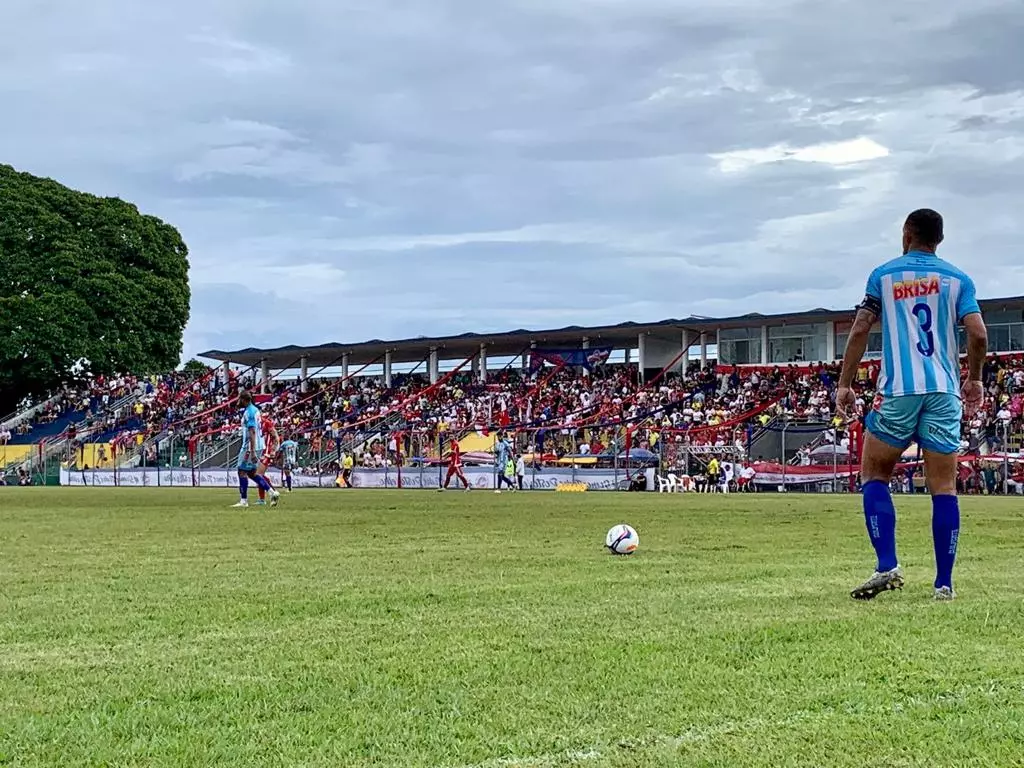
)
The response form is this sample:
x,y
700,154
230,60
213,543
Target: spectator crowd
x,y
553,412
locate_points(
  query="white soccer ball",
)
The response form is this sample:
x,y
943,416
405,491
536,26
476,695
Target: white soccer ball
x,y
622,540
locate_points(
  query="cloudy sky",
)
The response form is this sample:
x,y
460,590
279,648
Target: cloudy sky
x,y
353,169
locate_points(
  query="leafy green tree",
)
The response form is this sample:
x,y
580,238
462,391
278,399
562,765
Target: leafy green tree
x,y
88,286
195,367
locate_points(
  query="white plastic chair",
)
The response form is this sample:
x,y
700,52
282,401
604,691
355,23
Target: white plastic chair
x,y
675,485
664,486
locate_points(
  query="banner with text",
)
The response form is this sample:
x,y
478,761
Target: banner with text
x,y
482,478
578,358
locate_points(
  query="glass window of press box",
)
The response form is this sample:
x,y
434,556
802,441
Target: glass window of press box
x,y
797,343
1005,330
740,346
874,348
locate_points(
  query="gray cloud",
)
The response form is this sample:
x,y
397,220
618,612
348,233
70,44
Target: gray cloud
x,y
379,169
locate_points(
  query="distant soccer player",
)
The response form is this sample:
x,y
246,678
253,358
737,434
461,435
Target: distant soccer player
x,y
919,299
289,456
252,448
271,441
502,452
455,467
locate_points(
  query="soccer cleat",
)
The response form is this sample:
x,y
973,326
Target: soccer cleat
x,y
242,503
261,503
944,594
440,490
498,490
878,583
274,497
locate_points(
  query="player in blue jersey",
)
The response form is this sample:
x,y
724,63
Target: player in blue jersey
x,y
502,453
251,451
920,300
289,455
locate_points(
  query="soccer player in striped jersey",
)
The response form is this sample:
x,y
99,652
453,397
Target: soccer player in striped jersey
x,y
252,448
290,460
920,300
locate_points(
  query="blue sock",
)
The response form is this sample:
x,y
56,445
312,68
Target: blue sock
x,y
945,533
243,487
261,481
880,516
288,481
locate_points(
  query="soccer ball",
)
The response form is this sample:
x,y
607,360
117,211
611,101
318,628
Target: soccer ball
x,y
622,540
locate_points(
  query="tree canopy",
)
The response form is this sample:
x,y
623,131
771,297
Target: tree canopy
x,y
87,284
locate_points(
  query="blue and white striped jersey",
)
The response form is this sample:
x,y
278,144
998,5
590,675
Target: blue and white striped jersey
x,y
251,419
920,300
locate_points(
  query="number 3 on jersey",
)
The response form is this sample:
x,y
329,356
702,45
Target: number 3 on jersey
x,y
923,313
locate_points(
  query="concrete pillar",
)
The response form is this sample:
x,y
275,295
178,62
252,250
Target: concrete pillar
x,y
703,350
387,369
344,366
225,374
264,376
641,345
628,354
718,345
764,345
585,344
303,374
432,366
483,363
830,341
684,341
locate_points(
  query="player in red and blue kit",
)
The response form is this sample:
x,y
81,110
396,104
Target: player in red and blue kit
x,y
920,300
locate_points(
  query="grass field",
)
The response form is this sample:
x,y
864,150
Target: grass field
x,y
159,628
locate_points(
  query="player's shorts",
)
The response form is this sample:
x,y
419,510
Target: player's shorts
x,y
933,420
287,466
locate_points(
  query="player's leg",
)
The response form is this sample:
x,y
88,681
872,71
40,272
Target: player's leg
x,y
447,478
939,437
243,488
251,473
261,479
889,429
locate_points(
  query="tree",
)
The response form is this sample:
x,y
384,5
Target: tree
x,y
196,368
88,285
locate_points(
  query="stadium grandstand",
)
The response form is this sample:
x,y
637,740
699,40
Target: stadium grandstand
x,y
633,405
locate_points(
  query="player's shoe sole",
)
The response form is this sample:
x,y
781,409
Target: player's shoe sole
x,y
885,581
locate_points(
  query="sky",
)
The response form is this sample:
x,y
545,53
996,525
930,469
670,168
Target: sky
x,y
344,170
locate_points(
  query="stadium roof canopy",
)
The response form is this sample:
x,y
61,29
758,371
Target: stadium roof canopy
x,y
513,343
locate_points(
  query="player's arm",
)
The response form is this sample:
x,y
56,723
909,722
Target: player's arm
x,y
977,345
857,344
868,312
250,451
969,313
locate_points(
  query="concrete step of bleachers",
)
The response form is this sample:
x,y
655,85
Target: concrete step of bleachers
x,y
42,432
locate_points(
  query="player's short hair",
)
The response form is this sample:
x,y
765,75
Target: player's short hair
x,y
244,396
925,226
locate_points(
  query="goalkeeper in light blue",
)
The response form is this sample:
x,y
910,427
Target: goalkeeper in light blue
x,y
920,301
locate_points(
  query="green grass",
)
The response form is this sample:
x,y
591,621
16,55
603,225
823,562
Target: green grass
x,y
159,628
